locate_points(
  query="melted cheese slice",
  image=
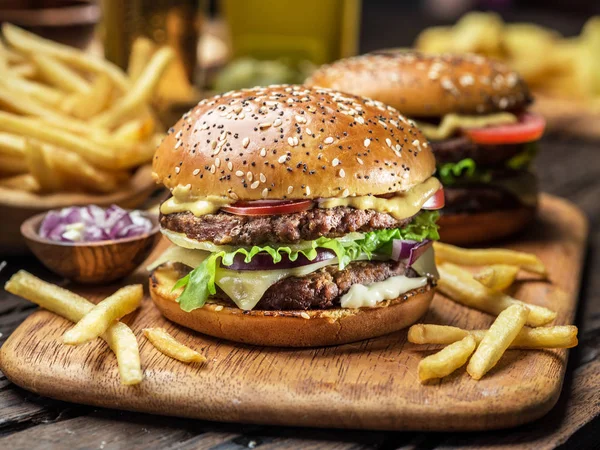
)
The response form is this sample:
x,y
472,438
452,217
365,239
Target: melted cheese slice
x,y
451,123
360,296
401,206
247,287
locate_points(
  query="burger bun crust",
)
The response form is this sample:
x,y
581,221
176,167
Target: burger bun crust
x,y
313,328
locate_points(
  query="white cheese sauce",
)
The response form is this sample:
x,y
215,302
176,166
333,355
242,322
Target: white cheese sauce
x,y
360,296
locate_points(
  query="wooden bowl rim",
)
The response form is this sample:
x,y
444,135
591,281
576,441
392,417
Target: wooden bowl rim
x,y
76,13
30,227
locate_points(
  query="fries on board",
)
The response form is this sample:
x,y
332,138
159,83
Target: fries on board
x,y
72,122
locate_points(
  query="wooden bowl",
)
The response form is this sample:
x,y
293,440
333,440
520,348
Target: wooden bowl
x,y
18,206
70,22
91,262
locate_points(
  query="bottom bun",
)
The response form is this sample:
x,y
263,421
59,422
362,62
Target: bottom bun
x,y
312,328
477,228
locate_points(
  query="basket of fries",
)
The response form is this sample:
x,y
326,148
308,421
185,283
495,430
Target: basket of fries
x,y
74,129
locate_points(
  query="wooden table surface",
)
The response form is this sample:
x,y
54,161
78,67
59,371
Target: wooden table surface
x,y
568,167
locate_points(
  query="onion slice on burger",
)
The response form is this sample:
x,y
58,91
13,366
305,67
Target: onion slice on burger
x,y
409,250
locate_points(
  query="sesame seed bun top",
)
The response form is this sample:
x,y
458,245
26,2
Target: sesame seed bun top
x,y
425,85
292,142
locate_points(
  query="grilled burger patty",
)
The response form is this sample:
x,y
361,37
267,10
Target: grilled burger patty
x,y
478,198
227,229
323,288
458,148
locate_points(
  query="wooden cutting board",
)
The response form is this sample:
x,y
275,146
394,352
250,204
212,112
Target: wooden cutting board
x,y
371,384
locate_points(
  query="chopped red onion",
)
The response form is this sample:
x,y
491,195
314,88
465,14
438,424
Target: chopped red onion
x,y
93,224
409,250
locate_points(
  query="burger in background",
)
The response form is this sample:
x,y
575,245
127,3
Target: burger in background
x,y
474,112
299,217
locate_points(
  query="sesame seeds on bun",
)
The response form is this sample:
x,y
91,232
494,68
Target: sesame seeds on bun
x,y
292,142
424,85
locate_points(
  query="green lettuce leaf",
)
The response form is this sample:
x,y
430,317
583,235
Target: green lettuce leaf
x,y
465,170
523,160
200,283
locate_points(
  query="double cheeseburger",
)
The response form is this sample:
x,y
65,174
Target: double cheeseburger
x,y
474,113
298,217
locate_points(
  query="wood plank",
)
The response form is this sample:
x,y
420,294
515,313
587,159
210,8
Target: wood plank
x,y
371,384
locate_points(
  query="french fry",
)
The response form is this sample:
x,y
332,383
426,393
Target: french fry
x,y
459,285
24,182
12,165
168,345
136,130
21,103
447,360
89,104
140,92
87,149
497,339
102,315
11,145
30,43
24,70
73,307
497,277
141,52
563,336
40,168
486,257
40,92
59,74
81,173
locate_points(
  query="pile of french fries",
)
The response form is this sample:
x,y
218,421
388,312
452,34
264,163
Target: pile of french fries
x,y
102,320
70,121
517,325
558,66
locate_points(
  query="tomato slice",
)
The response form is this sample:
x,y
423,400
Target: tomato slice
x,y
436,201
530,127
268,207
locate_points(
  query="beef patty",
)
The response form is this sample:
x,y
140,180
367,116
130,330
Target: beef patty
x,y
458,148
478,198
227,229
323,288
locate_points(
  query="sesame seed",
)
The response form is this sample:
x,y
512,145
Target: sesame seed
x,y
196,172
342,173
177,169
233,195
388,141
264,125
263,152
218,162
219,308
178,144
290,189
335,162
230,165
277,122
282,159
245,142
309,132
304,315
367,142
290,141
265,192
249,176
239,173
360,161
179,134
328,140
466,80
262,178
254,185
300,119
213,169
307,190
